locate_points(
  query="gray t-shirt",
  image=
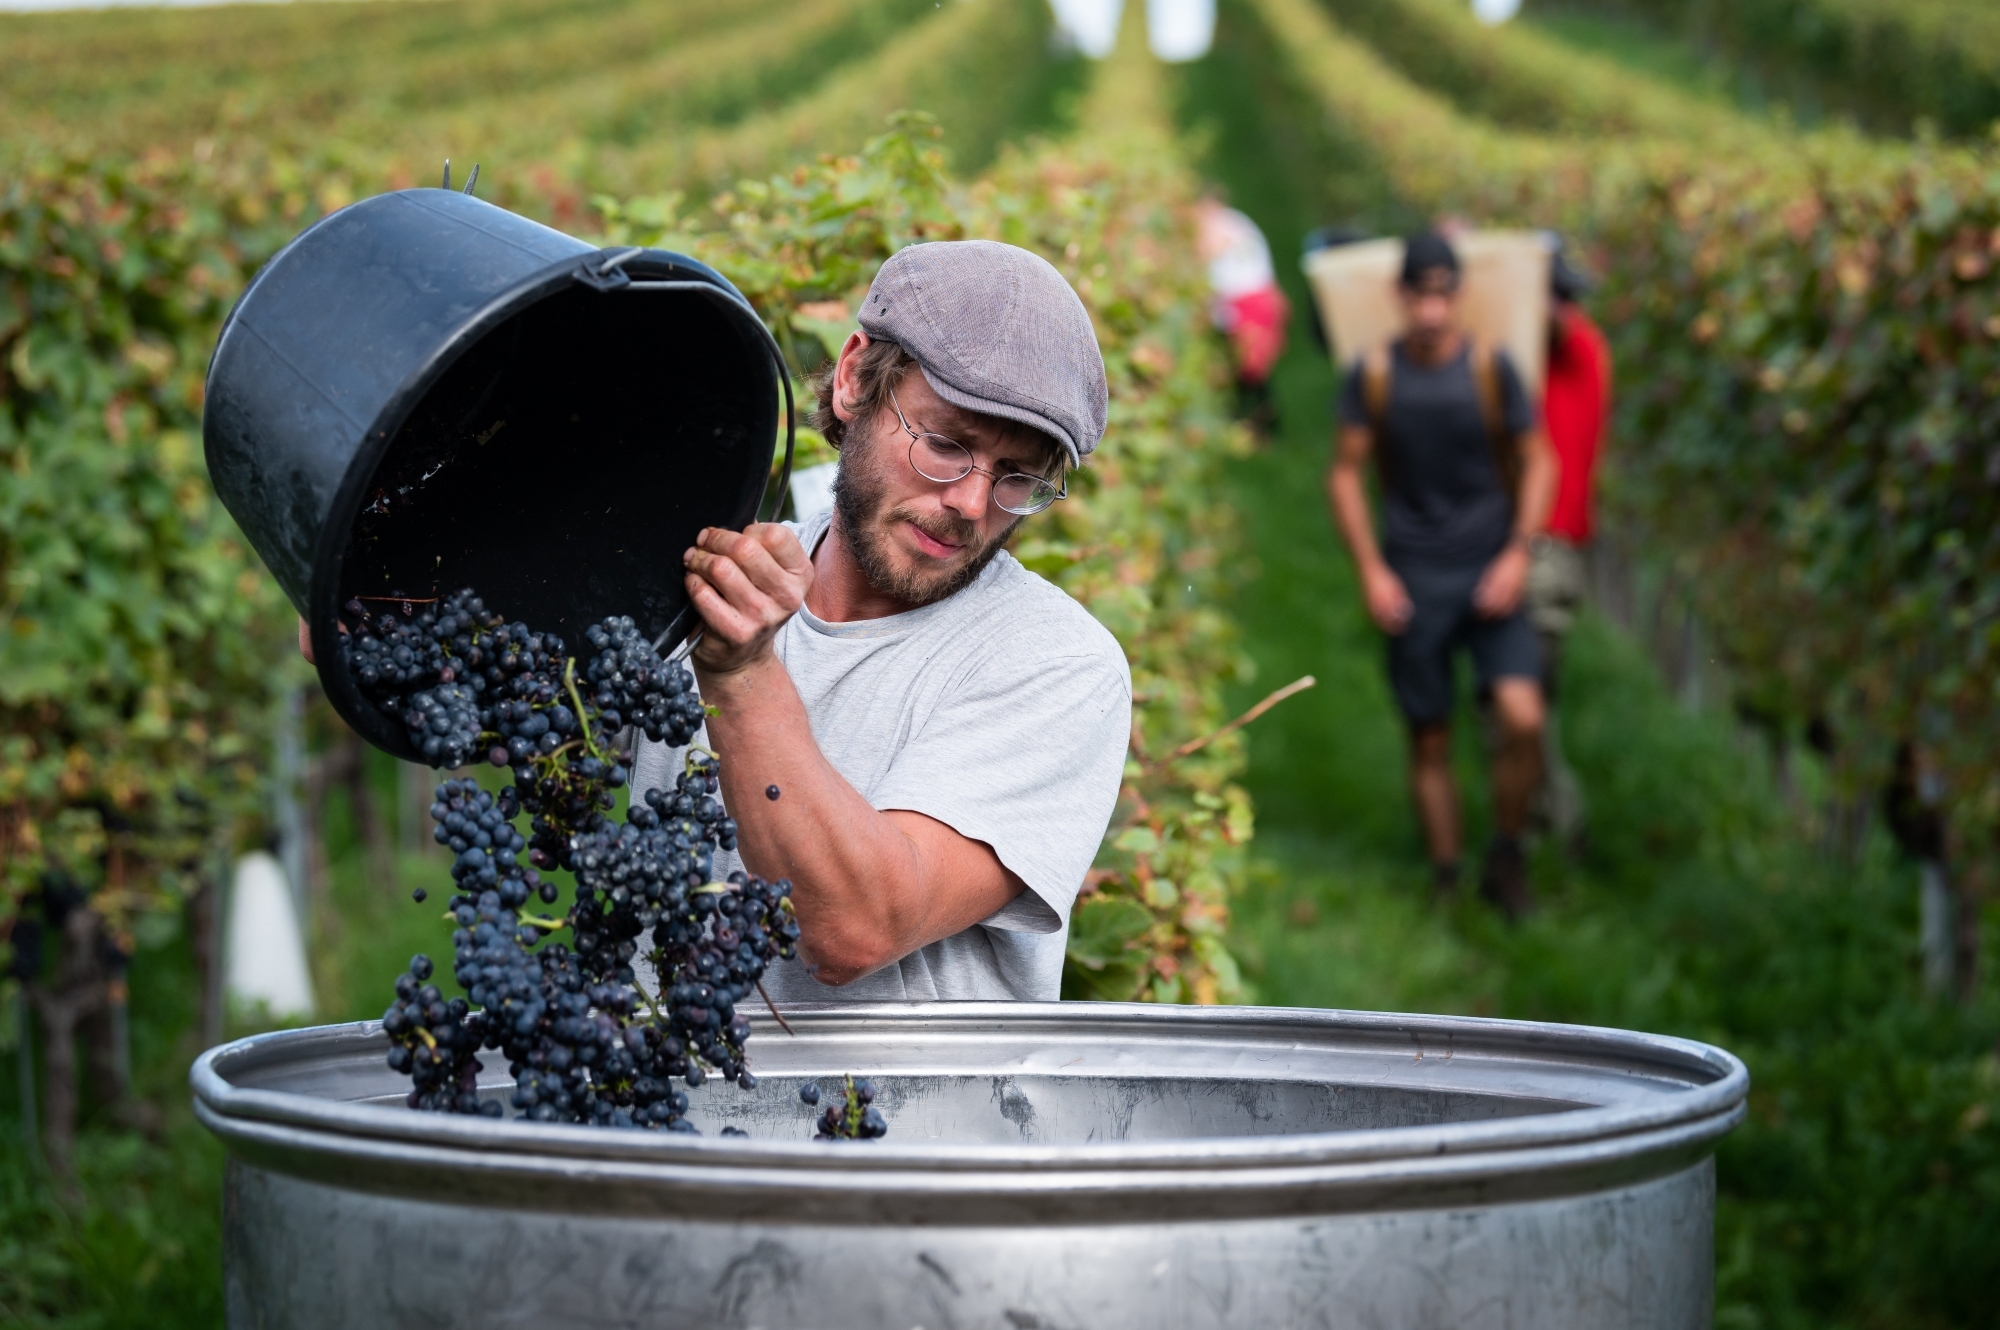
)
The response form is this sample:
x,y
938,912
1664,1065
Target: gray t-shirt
x,y
1444,503
1002,711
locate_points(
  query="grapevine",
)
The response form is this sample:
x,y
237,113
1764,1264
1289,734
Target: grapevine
x,y
582,1036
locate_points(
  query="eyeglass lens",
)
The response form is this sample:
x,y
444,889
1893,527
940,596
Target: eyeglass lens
x,y
946,460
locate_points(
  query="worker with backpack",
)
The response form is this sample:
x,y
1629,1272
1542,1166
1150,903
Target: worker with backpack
x,y
1467,478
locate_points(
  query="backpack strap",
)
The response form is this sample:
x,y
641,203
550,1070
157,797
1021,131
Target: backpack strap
x,y
1377,367
1486,382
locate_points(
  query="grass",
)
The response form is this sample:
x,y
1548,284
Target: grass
x,y
1865,1188
141,1246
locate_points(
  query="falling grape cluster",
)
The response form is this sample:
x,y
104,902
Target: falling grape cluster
x,y
852,1117
583,1038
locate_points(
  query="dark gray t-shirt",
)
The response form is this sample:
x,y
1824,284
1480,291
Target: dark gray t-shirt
x,y
1444,502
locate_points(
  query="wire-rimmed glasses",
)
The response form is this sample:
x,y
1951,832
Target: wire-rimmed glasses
x,y
944,460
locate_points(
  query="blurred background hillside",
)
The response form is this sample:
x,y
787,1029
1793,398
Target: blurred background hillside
x,y
1783,700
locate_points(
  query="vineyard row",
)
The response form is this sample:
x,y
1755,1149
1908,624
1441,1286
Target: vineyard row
x,y
1809,342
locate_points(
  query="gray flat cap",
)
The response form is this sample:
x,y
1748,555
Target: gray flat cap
x,y
995,329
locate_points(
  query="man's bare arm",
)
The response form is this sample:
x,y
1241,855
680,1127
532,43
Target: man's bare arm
x,y
1388,602
870,886
1537,496
1505,580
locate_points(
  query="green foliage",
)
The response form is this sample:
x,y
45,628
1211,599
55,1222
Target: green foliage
x,y
1674,59
1519,76
1822,374
556,102
792,243
356,72
138,655
983,67
520,77
1892,61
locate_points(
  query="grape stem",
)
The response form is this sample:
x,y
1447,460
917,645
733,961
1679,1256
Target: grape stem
x,y
569,682
646,997
546,925
775,1013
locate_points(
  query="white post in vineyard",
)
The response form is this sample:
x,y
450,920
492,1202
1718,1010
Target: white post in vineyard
x,y
1090,26
265,954
288,815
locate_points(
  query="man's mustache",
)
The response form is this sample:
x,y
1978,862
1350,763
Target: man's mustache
x,y
950,530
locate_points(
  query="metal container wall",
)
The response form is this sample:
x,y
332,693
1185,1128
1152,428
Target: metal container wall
x,y
1048,1165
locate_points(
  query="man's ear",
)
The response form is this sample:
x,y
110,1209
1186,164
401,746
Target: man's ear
x,y
844,369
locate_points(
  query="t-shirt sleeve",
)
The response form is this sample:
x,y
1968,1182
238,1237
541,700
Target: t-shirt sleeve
x,y
1518,411
1027,757
1351,407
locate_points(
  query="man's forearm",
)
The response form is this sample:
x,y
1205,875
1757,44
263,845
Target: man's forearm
x,y
869,886
848,862
1537,494
1350,512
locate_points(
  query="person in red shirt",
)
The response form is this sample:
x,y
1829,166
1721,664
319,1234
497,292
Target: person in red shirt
x,y
1248,306
1576,407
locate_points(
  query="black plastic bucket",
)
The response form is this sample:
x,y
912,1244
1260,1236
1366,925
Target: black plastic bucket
x,y
423,391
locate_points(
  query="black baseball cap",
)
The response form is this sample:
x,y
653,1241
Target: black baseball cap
x,y
1427,252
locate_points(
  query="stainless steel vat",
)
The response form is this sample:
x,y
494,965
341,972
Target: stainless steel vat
x,y
1048,1165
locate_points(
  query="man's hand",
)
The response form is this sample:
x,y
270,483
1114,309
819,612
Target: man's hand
x,y
306,641
1388,600
745,585
1502,584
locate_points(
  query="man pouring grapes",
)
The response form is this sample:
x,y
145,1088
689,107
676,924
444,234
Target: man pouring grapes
x,y
922,735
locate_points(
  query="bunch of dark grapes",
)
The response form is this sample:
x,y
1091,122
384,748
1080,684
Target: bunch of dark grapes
x,y
649,881
583,1039
433,1042
478,827
629,683
853,1117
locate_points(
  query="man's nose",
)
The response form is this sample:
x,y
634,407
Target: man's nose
x,y
968,495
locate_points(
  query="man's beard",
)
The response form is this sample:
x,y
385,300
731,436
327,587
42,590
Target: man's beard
x,y
859,487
